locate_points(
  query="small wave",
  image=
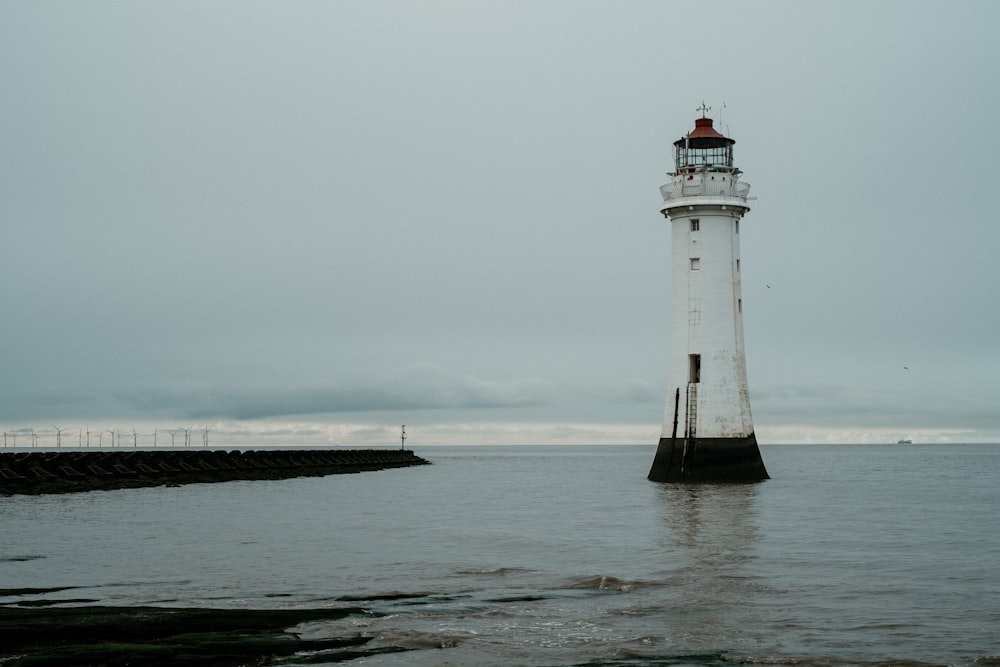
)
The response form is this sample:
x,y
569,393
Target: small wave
x,y
415,639
641,646
878,626
497,572
629,657
637,611
825,661
382,596
7,592
434,600
495,612
20,558
600,582
516,598
53,603
113,584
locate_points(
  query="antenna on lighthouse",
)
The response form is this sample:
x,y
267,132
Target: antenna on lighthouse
x,y
402,437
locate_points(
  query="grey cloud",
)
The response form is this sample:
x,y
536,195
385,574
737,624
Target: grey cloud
x,y
194,226
426,389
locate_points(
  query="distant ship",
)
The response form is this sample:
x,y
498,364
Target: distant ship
x,y
904,442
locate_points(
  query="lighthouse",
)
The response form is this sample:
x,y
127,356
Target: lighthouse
x,y
708,433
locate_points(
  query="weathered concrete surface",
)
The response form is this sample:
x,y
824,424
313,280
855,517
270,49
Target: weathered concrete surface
x,y
72,471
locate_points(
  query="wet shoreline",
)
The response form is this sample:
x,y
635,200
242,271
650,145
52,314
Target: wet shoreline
x,y
158,636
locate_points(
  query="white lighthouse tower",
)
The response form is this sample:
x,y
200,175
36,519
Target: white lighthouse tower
x,y
708,433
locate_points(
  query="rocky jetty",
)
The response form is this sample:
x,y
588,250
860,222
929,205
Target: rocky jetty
x,y
71,471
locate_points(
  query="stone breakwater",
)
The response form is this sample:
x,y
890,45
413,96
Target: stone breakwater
x,y
70,471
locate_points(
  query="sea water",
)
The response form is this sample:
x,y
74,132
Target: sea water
x,y
562,555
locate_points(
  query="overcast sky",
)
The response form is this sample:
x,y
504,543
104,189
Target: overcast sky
x,y
315,221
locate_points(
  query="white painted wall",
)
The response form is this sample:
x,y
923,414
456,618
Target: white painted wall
x,y
705,315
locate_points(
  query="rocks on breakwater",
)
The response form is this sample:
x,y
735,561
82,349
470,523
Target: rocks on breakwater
x,y
70,471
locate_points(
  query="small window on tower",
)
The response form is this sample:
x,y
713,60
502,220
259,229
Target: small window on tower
x,y
737,266
695,263
695,224
737,226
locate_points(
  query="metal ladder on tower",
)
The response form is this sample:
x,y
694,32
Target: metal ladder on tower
x,y
691,419
690,424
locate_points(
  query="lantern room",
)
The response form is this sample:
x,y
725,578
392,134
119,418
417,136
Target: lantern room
x,y
703,149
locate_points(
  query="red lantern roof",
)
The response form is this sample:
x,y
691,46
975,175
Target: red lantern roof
x,y
703,128
704,136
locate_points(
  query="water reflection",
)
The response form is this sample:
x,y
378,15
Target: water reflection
x,y
715,524
710,540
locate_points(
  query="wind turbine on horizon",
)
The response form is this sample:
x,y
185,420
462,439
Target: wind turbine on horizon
x,y
59,432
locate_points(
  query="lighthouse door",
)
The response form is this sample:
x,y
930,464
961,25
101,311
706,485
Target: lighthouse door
x,y
694,368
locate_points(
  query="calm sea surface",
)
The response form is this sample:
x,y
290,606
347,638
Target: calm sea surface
x,y
850,555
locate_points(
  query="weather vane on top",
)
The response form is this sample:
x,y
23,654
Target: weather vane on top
x,y
703,109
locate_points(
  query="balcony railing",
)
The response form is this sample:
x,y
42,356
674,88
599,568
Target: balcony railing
x,y
705,188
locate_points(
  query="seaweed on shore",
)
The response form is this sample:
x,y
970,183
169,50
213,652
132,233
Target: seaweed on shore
x,y
159,636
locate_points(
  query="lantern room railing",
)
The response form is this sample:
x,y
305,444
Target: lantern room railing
x,y
705,188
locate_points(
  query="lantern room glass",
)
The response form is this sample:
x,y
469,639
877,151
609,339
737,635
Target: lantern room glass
x,y
693,156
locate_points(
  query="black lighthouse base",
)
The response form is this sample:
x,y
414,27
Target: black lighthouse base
x,y
708,460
